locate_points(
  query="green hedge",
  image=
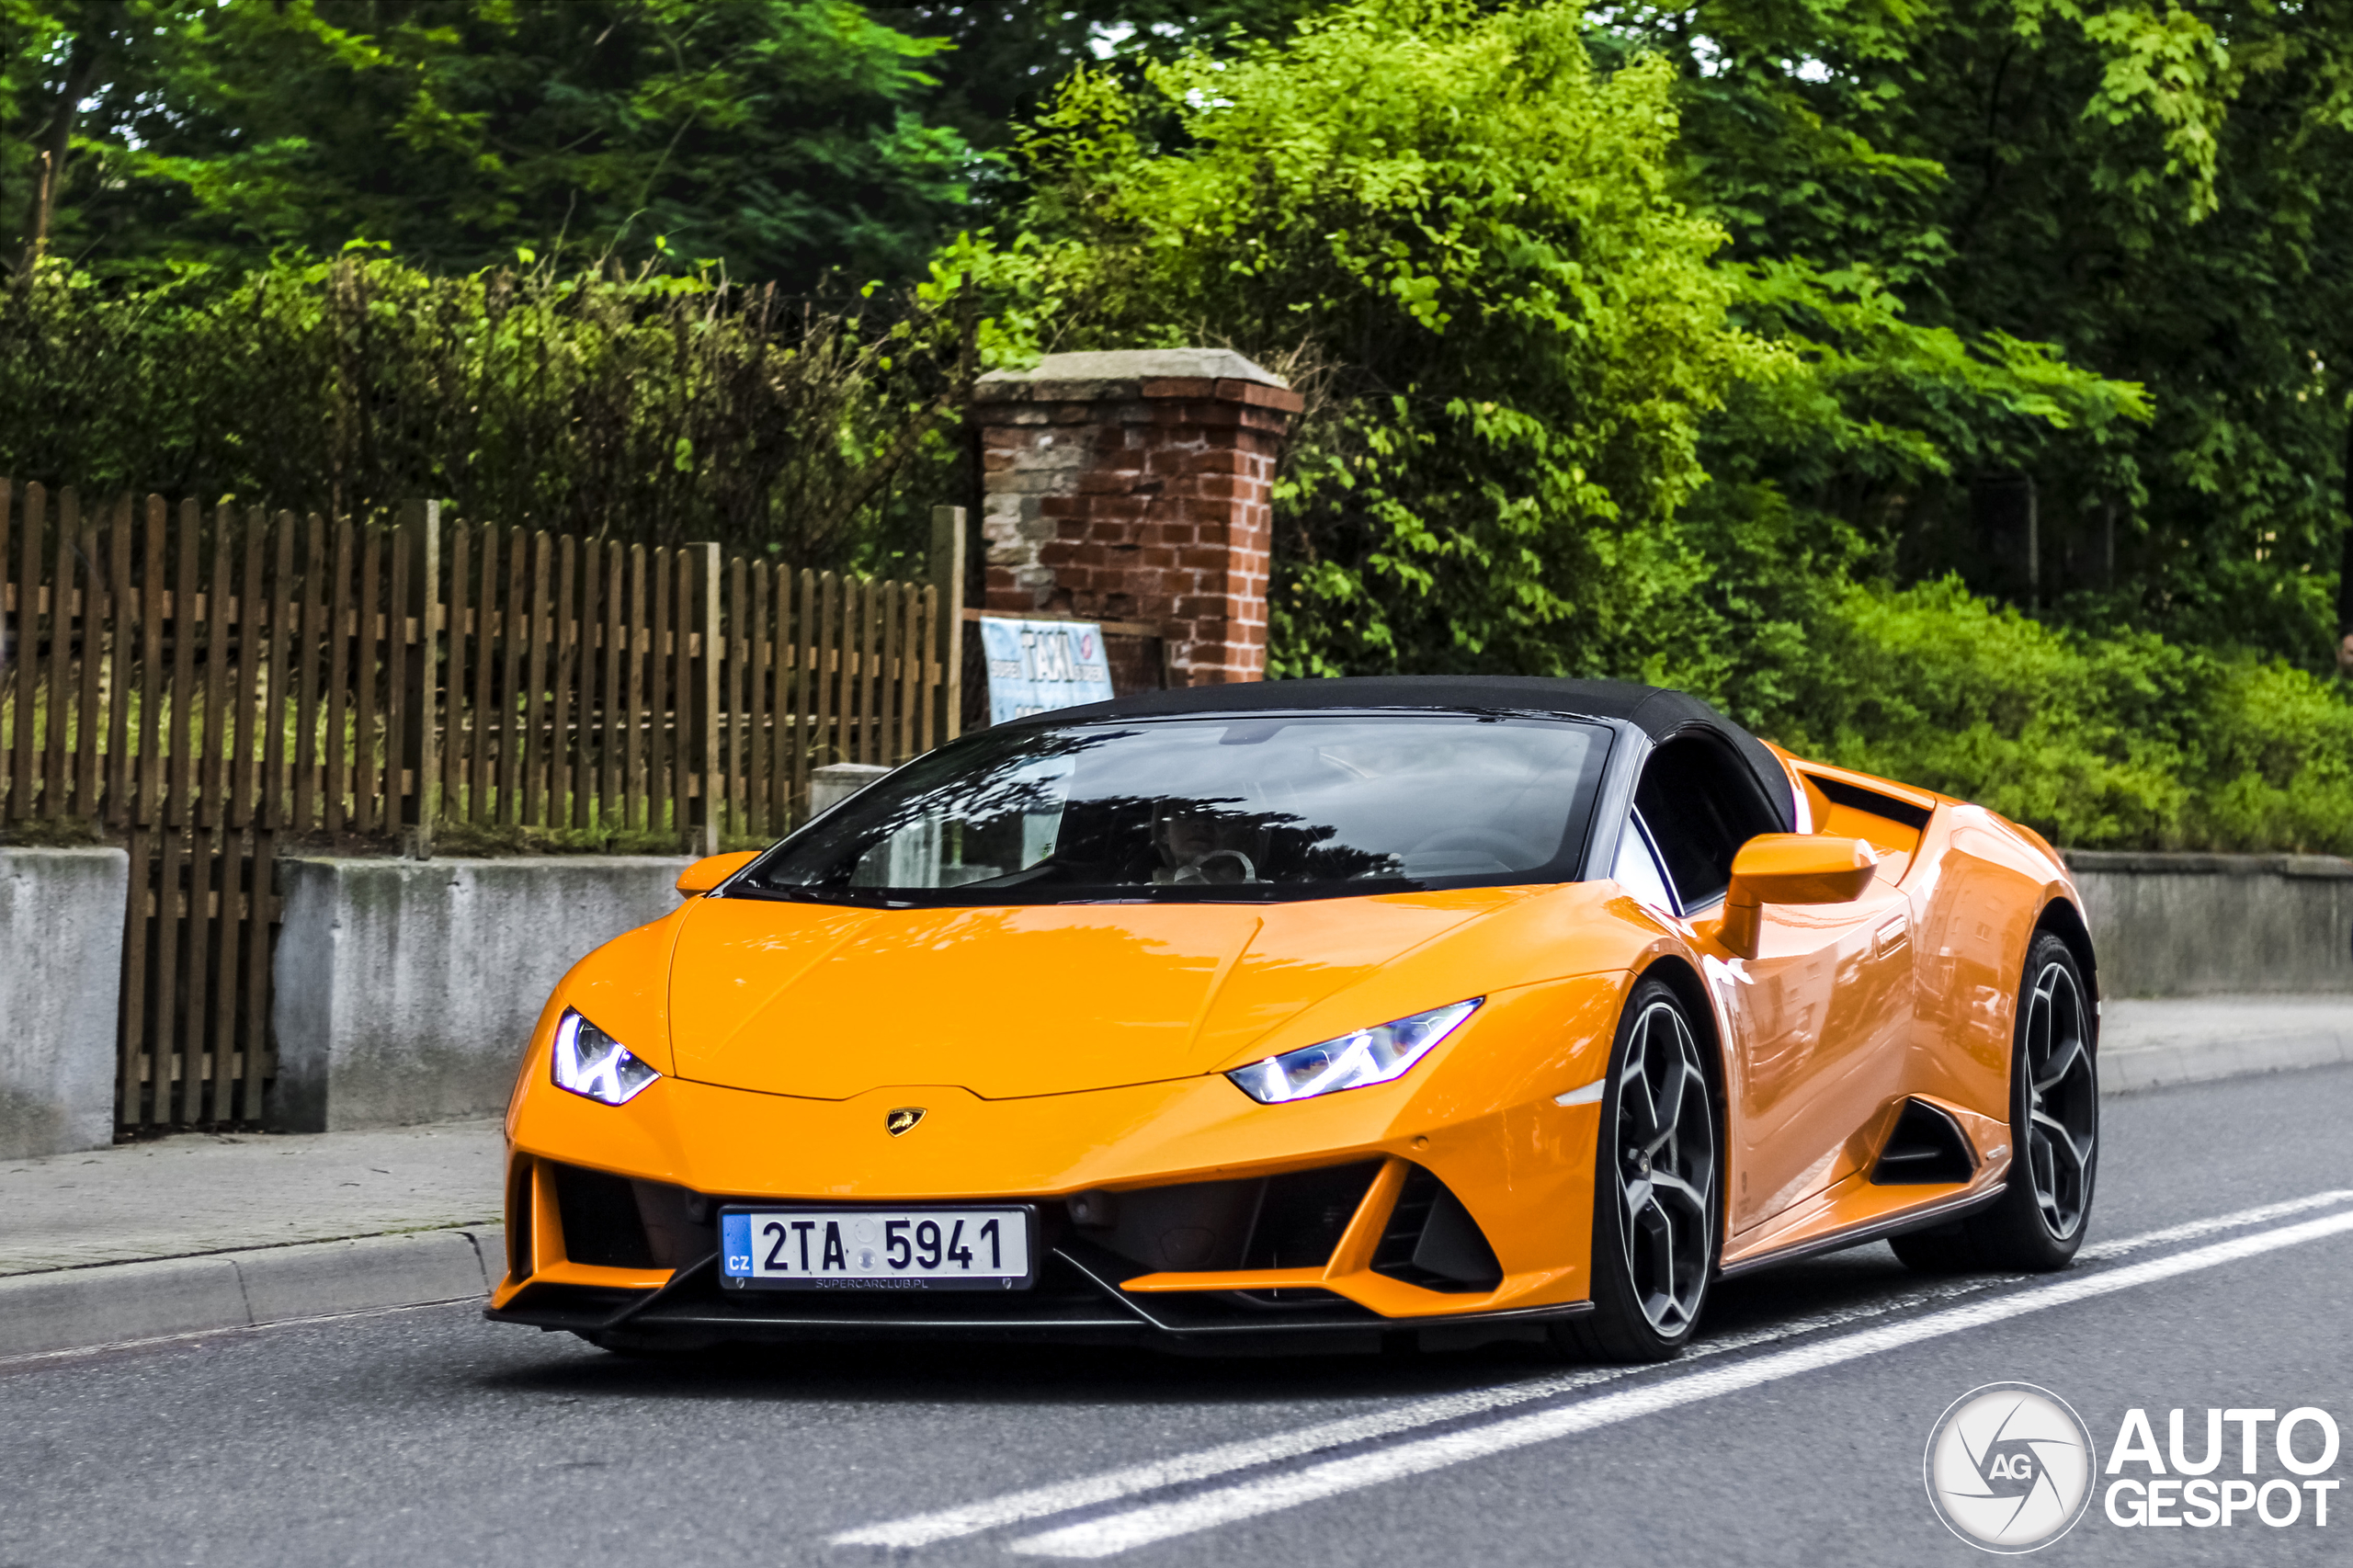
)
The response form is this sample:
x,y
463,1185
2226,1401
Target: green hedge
x,y
2097,742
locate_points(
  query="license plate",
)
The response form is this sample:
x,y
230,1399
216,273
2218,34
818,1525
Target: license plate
x,y
868,1249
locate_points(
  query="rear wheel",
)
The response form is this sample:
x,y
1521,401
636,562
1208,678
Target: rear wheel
x,y
1655,1188
2039,1222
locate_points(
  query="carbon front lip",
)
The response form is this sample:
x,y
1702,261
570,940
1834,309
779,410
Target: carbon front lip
x,y
1077,1297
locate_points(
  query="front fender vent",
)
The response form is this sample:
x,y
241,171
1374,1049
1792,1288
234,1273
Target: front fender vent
x,y
1927,1148
1433,1242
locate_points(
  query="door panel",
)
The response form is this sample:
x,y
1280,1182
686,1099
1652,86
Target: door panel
x,y
1821,1020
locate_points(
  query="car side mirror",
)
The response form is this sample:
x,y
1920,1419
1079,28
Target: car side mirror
x,y
712,870
1791,868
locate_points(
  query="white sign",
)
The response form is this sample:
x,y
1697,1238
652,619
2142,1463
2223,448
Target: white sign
x,y
1036,666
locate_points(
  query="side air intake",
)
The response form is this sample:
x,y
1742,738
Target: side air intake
x,y
1433,1242
1927,1147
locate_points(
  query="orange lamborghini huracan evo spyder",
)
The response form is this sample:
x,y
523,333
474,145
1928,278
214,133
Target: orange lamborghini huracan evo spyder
x,y
1313,1013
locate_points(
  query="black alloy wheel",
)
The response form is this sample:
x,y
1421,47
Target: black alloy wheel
x,y
2062,1132
1655,1204
2039,1222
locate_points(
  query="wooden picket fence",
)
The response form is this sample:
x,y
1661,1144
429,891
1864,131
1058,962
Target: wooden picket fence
x,y
213,689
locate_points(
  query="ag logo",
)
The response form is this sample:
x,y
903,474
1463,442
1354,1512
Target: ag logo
x,y
2009,1468
903,1120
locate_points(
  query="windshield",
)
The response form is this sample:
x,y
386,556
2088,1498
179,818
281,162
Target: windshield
x,y
1255,807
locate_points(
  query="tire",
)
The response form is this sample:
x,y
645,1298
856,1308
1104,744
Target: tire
x,y
2039,1222
1657,1186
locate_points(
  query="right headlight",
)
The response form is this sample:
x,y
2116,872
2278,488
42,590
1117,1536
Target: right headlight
x,y
1353,1062
592,1063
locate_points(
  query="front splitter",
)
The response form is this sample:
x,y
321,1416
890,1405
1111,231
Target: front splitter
x,y
1076,1300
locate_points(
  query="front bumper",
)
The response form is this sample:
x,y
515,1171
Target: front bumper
x,y
1511,1176
1339,1252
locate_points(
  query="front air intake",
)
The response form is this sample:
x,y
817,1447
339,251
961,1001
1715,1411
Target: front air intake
x,y
1302,1216
519,1220
1927,1148
1433,1242
1285,1221
601,1224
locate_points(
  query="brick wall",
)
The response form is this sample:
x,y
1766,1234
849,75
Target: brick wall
x,y
1136,486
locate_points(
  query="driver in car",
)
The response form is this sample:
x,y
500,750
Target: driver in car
x,y
1200,847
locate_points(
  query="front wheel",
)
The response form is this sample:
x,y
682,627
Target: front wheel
x,y
1656,1196
2039,1222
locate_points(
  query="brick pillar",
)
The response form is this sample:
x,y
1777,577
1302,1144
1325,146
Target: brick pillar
x,y
1137,486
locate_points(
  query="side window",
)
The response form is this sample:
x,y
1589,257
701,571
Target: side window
x,y
1700,806
1636,869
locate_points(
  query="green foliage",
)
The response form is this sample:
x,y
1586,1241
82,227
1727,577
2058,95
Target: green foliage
x,y
1667,341
2094,741
1004,60
2156,190
651,406
1536,382
1461,240
784,138
1583,400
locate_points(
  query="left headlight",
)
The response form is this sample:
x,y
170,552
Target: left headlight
x,y
1352,1061
589,1061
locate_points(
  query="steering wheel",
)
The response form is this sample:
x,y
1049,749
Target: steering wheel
x,y
1508,849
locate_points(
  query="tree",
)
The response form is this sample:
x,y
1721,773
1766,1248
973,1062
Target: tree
x,y
2159,192
1005,59
782,137
1461,240
653,406
1522,340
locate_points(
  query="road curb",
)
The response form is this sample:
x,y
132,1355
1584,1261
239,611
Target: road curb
x,y
78,1309
2325,1041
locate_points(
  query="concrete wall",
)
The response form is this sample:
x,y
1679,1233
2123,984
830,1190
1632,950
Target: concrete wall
x,y
60,983
407,990
2218,925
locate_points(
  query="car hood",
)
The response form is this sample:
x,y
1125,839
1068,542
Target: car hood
x,y
828,1002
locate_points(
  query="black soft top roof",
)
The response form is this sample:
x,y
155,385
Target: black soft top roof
x,y
1655,710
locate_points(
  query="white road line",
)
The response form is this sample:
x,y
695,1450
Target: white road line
x,y
1156,1522
1037,1503
2190,1231
1061,1498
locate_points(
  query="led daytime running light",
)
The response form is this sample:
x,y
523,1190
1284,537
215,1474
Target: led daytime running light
x,y
592,1063
1377,1055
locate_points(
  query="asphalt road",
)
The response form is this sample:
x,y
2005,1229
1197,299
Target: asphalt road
x,y
1794,1434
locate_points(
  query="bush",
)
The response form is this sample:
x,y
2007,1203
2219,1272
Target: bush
x,y
648,406
1462,242
2097,743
